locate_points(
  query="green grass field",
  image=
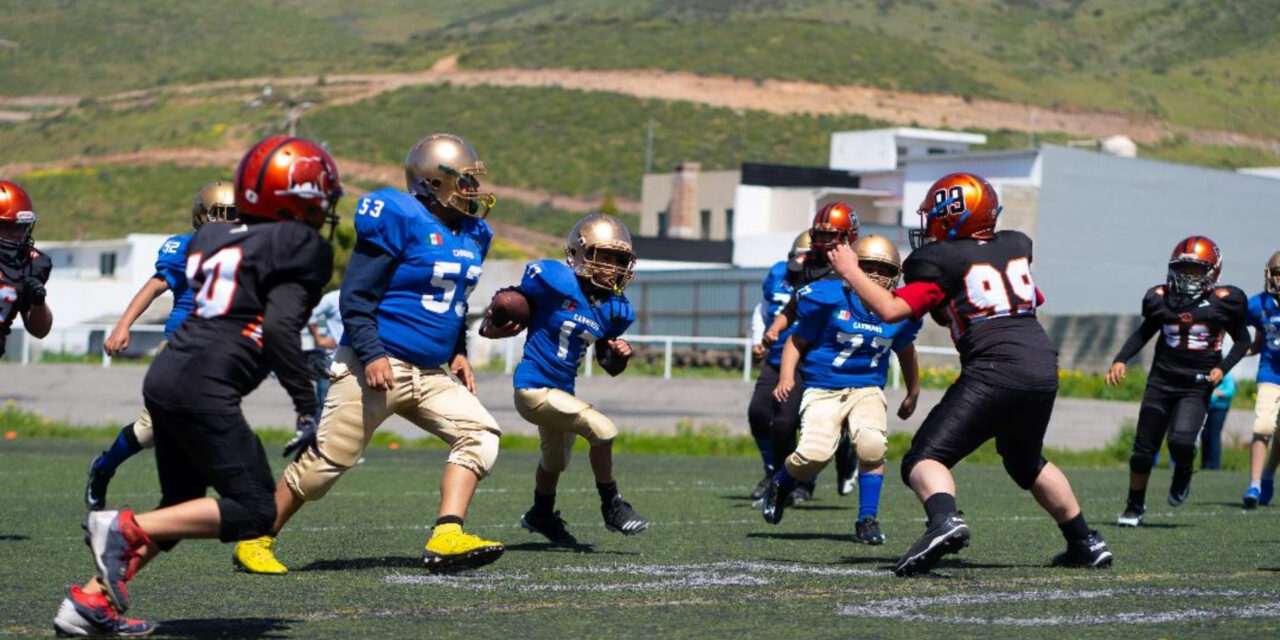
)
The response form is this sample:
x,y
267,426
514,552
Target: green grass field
x,y
709,567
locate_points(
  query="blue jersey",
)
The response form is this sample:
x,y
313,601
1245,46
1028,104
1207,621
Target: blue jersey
x,y
171,266
425,305
848,344
777,293
1264,315
563,323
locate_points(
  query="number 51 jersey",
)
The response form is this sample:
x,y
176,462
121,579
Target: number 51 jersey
x,y
990,302
216,357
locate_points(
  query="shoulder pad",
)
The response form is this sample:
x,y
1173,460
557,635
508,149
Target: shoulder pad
x,y
923,265
1233,299
41,265
554,275
1152,301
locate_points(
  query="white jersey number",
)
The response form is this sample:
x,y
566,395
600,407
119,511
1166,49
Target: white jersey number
x,y
217,277
445,277
988,291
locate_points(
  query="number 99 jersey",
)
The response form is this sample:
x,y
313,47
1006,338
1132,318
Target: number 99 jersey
x,y
425,306
1190,341
849,344
990,301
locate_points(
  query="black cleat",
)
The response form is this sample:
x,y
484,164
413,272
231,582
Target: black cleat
x,y
774,501
801,494
846,467
1089,553
620,517
758,492
95,488
867,531
551,527
948,536
1132,516
1180,488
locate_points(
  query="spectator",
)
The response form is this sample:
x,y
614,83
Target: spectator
x,y
1211,435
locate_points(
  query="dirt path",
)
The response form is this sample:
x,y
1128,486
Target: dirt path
x,y
773,96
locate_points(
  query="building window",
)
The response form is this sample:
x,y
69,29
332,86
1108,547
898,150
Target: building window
x,y
902,152
107,264
663,220
728,223
937,151
705,216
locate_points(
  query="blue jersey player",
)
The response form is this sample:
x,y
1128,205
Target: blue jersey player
x,y
1264,315
215,202
418,255
845,351
573,305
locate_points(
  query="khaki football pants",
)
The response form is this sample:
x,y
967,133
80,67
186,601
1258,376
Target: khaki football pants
x,y
428,398
142,430
1266,410
825,413
560,417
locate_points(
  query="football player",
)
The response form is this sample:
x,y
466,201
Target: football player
x,y
777,291
24,270
1192,313
981,281
404,295
845,350
1264,315
256,283
215,202
573,304
834,223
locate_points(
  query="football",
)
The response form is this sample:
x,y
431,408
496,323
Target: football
x,y
509,305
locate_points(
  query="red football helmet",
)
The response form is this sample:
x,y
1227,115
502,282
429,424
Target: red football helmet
x,y
1194,266
958,205
284,178
17,221
834,224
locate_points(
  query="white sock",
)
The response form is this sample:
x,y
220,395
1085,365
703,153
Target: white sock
x,y
1255,484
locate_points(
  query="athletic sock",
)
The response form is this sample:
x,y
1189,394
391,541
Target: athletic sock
x,y
765,445
1075,528
869,494
786,482
124,447
607,492
939,507
544,505
449,520
1255,484
1138,498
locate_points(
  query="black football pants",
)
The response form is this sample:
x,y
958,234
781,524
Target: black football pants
x,y
1178,410
780,421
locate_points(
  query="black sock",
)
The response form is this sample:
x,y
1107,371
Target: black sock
x,y
1138,498
1075,528
449,520
607,492
544,504
939,507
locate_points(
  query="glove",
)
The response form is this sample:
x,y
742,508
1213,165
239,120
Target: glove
x,y
304,437
33,292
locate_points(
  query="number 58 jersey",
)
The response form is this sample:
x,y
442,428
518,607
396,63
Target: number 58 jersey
x,y
216,355
990,302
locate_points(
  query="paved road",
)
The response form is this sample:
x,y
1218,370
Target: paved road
x,y
91,395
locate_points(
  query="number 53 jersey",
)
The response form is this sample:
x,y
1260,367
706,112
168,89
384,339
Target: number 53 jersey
x,y
425,305
849,345
990,302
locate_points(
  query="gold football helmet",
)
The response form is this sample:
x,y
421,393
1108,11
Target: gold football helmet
x,y
444,167
879,258
1273,274
215,202
599,250
801,245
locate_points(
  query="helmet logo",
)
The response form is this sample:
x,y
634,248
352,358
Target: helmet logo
x,y
251,195
948,201
308,178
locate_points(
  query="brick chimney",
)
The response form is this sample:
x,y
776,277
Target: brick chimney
x,y
682,214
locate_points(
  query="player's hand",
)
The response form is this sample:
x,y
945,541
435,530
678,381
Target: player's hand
x,y
461,368
494,332
908,406
33,292
378,376
326,343
1215,376
304,437
844,260
1116,374
117,342
621,348
757,352
769,337
783,390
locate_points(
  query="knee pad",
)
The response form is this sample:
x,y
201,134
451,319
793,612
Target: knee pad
x,y
1024,474
311,476
872,446
600,428
476,450
1141,463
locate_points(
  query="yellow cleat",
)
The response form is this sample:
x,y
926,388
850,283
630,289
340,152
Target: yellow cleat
x,y
255,556
451,549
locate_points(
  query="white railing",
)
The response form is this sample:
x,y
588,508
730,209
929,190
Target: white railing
x,y
58,338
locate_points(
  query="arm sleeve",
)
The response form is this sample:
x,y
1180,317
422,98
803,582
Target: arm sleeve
x,y
907,335
282,322
621,320
757,324
171,265
922,296
380,225
368,275
460,345
811,315
1240,341
1039,298
1140,337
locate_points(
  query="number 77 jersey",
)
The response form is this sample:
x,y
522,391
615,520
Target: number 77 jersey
x,y
989,300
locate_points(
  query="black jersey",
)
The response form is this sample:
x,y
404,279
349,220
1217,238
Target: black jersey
x,y
12,301
217,355
1190,340
809,271
990,305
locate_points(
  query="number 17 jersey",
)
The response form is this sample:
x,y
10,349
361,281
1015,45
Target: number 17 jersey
x,y
990,303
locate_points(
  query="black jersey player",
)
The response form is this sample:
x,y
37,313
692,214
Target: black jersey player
x,y
24,270
981,281
255,286
1192,314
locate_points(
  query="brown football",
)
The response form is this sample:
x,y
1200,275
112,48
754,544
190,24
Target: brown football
x,y
509,306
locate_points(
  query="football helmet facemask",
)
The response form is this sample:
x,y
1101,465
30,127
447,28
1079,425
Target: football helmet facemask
x,y
880,260
800,247
17,223
215,202
445,168
957,205
599,251
834,224
1273,274
1194,266
286,178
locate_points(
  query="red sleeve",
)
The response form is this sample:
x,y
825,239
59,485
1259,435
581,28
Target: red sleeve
x,y
1039,298
921,296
